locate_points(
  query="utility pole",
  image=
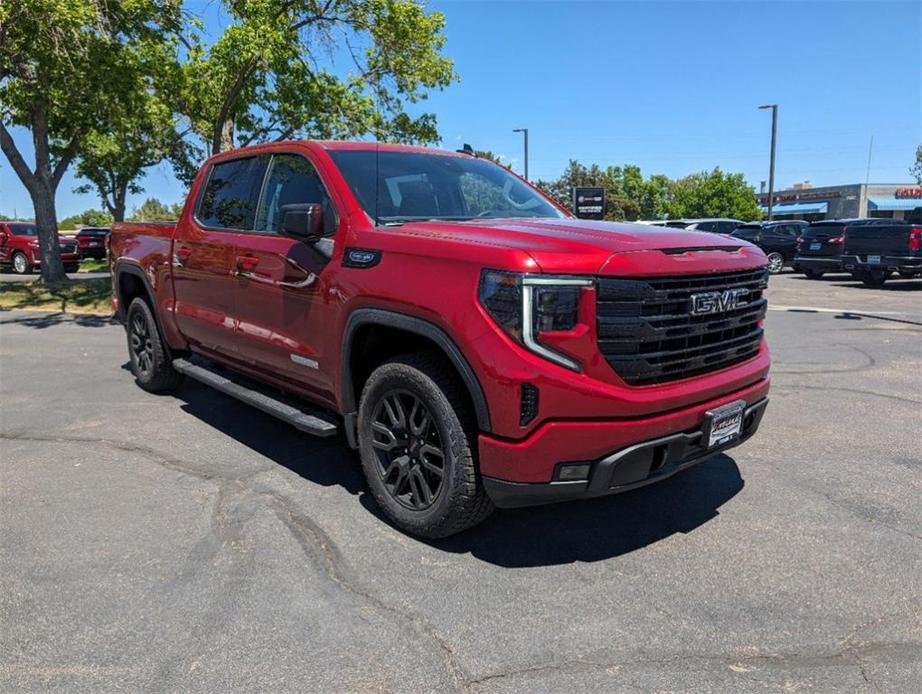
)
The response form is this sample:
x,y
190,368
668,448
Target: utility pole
x,y
771,168
524,131
867,176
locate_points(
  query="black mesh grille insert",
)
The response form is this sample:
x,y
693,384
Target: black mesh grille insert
x,y
648,333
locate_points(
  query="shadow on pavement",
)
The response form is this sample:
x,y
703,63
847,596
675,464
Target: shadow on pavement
x,y
48,320
587,531
323,461
606,527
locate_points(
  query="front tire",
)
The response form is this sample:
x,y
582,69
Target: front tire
x,y
814,274
21,264
417,443
150,360
775,263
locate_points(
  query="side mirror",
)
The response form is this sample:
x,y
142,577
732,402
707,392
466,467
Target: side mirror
x,y
302,222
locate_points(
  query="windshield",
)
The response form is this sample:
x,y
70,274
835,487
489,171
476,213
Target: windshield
x,y
24,229
421,186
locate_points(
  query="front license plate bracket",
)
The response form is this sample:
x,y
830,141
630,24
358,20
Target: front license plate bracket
x,y
724,424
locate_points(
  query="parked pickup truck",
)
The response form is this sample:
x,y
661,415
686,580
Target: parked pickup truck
x,y
873,253
477,344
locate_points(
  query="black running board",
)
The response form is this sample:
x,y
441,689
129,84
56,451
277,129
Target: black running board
x,y
297,418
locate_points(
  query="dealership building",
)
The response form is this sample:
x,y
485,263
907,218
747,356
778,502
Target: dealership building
x,y
803,201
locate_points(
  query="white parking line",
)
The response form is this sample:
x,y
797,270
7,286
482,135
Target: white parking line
x,y
816,309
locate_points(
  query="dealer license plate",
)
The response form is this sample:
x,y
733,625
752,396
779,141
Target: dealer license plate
x,y
874,260
724,424
815,246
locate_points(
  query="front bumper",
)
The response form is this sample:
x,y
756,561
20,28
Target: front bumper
x,y
629,468
888,263
818,262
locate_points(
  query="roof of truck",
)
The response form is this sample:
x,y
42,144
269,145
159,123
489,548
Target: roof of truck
x,y
384,147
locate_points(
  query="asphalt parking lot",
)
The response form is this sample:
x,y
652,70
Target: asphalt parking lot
x,y
188,543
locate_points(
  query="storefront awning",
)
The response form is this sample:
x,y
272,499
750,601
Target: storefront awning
x,y
893,204
798,208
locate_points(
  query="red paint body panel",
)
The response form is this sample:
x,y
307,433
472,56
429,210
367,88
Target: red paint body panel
x,y
533,459
268,305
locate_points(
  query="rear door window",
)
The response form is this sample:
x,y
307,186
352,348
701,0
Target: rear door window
x,y
230,196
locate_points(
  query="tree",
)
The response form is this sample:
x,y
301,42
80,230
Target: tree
x,y
64,66
273,75
490,156
141,132
153,210
87,218
714,194
916,169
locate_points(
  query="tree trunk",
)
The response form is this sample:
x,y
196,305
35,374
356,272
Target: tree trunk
x,y
119,196
42,185
227,135
46,221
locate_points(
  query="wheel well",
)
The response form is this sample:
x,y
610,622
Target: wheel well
x,y
130,286
373,344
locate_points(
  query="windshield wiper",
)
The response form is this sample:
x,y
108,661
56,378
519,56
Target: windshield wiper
x,y
393,221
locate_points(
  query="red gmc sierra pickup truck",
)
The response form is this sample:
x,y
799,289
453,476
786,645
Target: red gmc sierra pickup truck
x,y
477,344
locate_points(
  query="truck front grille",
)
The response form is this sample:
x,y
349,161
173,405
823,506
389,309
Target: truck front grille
x,y
648,333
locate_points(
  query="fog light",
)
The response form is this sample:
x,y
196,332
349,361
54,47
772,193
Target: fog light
x,y
571,472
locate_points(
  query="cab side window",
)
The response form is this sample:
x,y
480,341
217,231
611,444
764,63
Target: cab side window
x,y
229,198
292,182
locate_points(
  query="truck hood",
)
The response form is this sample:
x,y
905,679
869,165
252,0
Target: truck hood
x,y
574,246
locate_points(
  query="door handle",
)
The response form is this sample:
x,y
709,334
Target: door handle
x,y
246,263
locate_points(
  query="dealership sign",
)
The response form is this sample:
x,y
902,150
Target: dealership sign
x,y
589,202
908,193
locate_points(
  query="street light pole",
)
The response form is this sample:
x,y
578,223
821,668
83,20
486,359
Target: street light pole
x,y
525,132
771,170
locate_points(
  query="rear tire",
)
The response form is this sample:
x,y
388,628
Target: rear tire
x,y
417,443
21,264
814,274
150,360
775,263
72,268
874,279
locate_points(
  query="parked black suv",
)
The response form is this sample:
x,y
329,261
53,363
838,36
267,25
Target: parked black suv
x,y
777,239
819,249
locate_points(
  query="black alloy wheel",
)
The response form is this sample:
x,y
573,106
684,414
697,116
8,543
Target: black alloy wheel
x,y
408,450
139,339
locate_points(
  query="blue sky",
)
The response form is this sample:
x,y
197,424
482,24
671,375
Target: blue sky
x,y
671,87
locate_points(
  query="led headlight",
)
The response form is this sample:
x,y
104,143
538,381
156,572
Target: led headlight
x,y
526,305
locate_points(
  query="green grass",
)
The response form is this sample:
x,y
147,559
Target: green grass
x,y
93,265
84,296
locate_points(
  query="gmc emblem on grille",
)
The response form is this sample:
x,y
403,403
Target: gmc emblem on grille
x,y
717,302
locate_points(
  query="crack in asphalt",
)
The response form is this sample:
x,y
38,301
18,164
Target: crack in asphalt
x,y
871,362
310,536
852,655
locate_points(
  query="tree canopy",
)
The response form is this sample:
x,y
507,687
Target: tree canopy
x,y
153,210
318,68
87,218
629,196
